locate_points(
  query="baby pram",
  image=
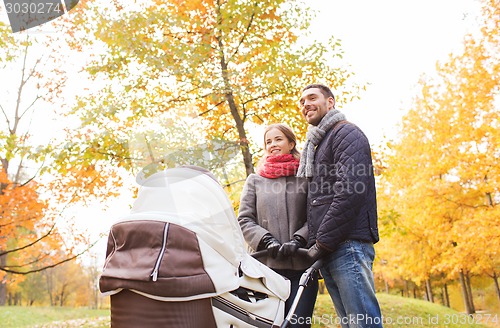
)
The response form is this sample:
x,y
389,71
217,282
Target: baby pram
x,y
179,260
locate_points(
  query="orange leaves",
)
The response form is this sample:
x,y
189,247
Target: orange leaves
x,y
200,8
20,207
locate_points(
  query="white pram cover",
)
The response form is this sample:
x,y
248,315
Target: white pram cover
x,y
245,292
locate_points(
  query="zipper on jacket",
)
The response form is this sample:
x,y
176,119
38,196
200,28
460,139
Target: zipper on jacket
x,y
154,274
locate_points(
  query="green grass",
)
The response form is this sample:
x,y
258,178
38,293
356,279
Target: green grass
x,y
397,312
24,317
406,312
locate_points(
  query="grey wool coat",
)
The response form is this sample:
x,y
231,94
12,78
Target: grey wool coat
x,y
276,206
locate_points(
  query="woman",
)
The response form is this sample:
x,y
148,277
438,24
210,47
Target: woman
x,y
272,216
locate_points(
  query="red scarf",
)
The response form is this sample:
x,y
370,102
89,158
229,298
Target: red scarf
x,y
275,166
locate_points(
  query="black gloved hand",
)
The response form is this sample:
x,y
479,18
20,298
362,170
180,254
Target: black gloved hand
x,y
316,252
290,247
271,244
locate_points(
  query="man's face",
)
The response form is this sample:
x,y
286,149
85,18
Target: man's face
x,y
314,105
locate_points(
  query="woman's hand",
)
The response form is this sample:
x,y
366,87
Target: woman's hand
x,y
271,244
290,247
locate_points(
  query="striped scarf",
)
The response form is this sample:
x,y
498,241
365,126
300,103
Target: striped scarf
x,y
313,137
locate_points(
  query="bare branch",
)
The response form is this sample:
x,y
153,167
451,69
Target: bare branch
x,y
29,244
243,36
52,265
211,109
5,115
28,108
41,258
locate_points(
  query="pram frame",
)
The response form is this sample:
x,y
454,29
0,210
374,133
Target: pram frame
x,y
306,277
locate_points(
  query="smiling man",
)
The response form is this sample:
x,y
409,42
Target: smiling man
x,y
341,207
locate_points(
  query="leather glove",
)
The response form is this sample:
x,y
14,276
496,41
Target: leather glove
x,y
271,244
290,247
316,252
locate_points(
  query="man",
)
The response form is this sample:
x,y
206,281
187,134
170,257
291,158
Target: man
x,y
341,209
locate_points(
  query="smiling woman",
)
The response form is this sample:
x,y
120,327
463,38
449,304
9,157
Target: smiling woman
x,y
279,140
272,213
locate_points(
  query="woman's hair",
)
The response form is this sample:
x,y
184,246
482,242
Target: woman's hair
x,y
288,132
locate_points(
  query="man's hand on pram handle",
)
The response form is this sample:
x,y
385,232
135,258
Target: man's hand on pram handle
x,y
311,255
290,247
315,252
270,244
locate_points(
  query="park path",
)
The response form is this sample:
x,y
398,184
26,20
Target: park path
x,y
99,322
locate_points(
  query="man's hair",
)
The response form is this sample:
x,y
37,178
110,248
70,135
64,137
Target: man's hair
x,y
323,88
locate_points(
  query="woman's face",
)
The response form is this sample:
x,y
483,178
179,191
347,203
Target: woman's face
x,y
277,143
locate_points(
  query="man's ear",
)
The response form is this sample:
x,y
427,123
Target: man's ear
x,y
331,103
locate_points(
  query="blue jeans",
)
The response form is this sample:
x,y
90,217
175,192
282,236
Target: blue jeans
x,y
349,279
302,317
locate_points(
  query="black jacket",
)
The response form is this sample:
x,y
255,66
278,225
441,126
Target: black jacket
x,y
342,200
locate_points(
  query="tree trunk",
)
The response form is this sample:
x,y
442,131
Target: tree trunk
x,y
3,286
446,296
243,142
321,287
497,287
469,292
50,287
238,119
407,288
428,290
465,295
63,295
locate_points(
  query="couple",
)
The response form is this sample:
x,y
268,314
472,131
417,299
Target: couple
x,y
326,202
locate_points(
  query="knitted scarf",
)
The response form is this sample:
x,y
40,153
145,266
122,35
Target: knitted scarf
x,y
313,137
275,166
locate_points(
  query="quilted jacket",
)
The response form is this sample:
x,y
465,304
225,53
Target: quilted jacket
x,y
342,197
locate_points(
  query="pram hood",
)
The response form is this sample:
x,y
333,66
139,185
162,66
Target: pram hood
x,y
191,198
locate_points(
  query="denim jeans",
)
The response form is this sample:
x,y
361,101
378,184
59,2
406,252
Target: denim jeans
x,y
349,279
302,317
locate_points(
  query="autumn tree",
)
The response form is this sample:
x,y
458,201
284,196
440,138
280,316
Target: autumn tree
x,y
32,290
34,190
443,174
66,284
231,63
22,210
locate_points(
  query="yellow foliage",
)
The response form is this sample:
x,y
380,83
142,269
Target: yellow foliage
x,y
442,176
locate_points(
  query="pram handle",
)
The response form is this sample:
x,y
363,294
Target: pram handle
x,y
263,253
